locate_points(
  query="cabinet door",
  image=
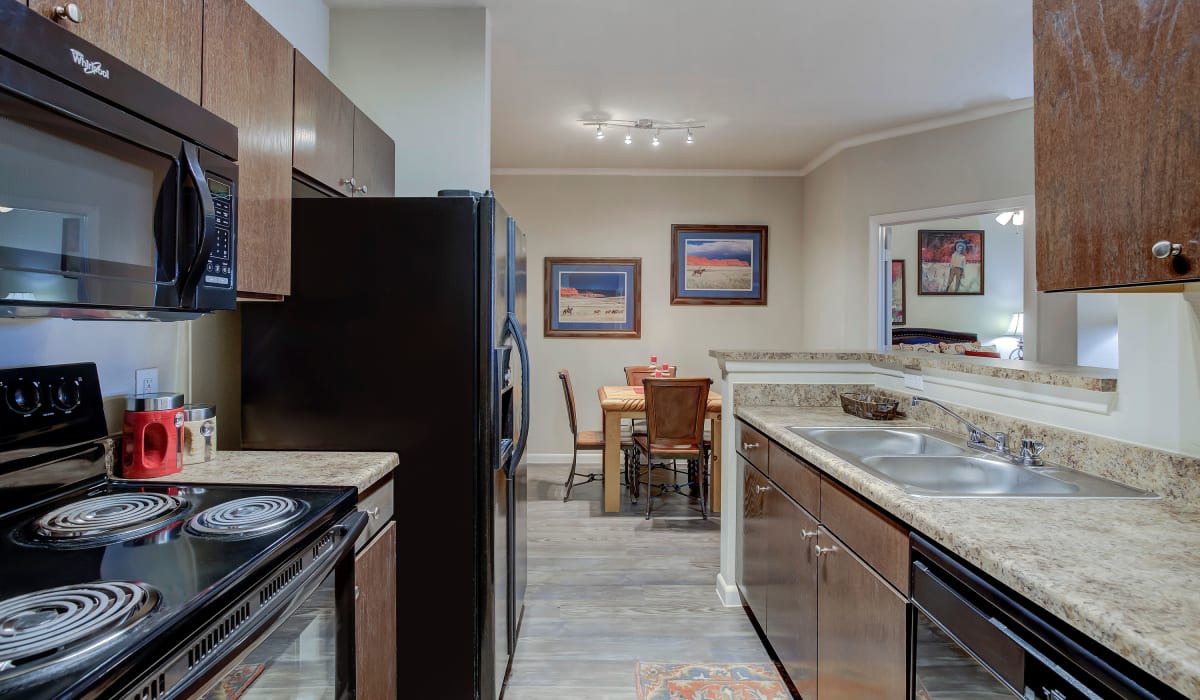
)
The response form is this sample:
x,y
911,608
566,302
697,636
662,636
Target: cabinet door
x,y
756,554
862,629
161,39
1116,141
324,130
375,617
374,158
792,591
248,81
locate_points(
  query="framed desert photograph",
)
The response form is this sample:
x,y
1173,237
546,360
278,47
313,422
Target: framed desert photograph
x,y
718,264
899,302
593,298
951,262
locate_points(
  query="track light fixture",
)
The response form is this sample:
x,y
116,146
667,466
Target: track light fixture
x,y
647,124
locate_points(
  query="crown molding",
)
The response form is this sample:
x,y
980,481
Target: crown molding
x,y
963,117
646,172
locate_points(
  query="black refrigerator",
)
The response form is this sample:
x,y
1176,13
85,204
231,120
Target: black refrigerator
x,y
405,332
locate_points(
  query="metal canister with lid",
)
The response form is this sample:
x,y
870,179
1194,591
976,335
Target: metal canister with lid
x,y
199,432
152,435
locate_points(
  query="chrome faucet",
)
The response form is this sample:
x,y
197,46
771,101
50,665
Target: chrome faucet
x,y
975,433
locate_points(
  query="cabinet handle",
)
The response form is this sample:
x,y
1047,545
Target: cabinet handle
x,y
809,535
825,550
356,592
750,445
373,512
349,182
1166,249
762,489
69,11
362,189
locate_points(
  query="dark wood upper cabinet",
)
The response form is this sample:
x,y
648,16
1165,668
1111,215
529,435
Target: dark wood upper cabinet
x,y
324,128
374,159
161,39
248,81
1117,142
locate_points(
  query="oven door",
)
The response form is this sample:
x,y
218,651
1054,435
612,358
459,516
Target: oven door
x,y
100,209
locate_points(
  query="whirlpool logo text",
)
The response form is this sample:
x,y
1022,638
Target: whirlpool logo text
x,y
89,67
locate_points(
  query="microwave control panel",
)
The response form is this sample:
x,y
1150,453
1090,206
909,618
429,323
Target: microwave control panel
x,y
219,270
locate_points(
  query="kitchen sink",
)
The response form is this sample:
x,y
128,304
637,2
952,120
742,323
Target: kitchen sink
x,y
933,463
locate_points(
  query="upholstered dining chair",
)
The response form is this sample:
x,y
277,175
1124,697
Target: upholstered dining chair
x,y
675,413
584,439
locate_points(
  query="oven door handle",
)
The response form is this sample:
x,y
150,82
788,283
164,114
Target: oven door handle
x,y
205,225
267,619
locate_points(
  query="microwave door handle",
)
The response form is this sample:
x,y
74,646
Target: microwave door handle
x,y
190,279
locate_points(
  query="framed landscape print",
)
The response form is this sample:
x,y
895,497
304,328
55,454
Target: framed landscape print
x,y
950,262
899,302
719,265
593,298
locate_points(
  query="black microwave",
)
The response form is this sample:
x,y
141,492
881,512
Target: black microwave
x,y
118,196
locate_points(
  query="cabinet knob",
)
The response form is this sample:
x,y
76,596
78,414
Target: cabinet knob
x,y
356,592
1166,249
762,489
808,534
825,550
69,11
373,512
361,189
348,182
750,445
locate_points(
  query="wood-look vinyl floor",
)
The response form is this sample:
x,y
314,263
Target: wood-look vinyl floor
x,y
606,591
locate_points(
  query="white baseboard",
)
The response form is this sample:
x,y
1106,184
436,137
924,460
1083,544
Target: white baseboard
x,y
729,595
565,459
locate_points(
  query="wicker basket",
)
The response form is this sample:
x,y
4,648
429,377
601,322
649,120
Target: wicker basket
x,y
871,407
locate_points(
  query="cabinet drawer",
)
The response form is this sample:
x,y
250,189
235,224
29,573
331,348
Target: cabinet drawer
x,y
797,479
873,536
752,445
378,503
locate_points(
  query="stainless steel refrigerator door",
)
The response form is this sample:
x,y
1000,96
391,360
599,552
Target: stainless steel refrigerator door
x,y
518,473
503,409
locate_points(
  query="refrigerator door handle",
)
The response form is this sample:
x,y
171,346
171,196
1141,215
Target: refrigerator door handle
x,y
513,327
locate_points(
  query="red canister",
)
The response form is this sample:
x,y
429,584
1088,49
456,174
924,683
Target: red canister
x,y
153,436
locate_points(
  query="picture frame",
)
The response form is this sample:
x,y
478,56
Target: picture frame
x,y
592,298
718,265
950,262
899,296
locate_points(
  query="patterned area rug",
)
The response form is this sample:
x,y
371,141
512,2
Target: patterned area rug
x,y
237,682
670,681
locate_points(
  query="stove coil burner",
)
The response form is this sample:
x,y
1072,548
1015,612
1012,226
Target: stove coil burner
x,y
108,517
57,624
247,517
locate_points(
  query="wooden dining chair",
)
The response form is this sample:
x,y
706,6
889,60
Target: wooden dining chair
x,y
634,374
675,413
592,440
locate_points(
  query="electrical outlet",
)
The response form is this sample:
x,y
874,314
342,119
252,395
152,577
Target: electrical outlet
x,y
914,381
145,381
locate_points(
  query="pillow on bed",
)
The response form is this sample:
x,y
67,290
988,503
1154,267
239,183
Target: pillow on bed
x,y
918,347
957,348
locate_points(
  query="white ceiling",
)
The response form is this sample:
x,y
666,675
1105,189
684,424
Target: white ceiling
x,y
777,81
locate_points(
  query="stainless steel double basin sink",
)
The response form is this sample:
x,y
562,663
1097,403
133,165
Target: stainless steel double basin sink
x,y
932,463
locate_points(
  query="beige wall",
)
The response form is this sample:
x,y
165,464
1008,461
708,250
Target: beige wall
x,y
973,162
616,216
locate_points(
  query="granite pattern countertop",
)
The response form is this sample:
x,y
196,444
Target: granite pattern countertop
x,y
358,469
1126,573
1090,378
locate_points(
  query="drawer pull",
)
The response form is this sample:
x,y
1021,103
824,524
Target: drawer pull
x,y
69,11
356,592
809,535
373,512
825,550
762,489
750,445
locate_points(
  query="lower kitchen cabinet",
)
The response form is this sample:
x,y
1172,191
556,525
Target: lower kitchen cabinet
x,y
862,629
756,555
375,617
792,590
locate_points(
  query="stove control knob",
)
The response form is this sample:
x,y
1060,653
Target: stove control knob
x,y
23,396
68,395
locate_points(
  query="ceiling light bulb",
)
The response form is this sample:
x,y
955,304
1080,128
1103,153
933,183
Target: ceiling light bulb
x,y
654,141
599,132
689,137
1019,218
628,137
1003,217
5,210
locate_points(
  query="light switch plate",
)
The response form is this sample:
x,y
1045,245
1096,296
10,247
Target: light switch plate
x,y
145,381
914,381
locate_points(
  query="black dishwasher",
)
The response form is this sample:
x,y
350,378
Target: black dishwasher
x,y
972,638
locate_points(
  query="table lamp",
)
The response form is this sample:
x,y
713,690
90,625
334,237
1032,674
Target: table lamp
x,y
1016,328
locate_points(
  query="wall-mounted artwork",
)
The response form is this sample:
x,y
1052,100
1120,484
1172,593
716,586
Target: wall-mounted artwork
x,y
899,302
719,265
593,297
951,262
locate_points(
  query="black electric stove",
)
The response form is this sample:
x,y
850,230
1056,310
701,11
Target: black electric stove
x,y
113,588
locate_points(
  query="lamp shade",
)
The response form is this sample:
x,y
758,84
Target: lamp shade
x,y
1016,326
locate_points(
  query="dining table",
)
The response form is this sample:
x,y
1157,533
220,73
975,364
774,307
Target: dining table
x,y
624,402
